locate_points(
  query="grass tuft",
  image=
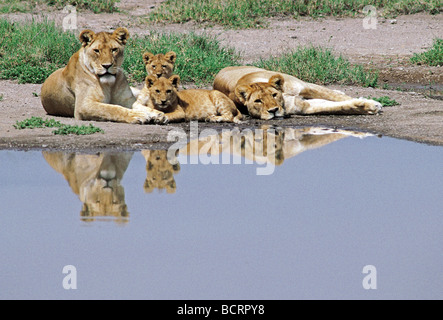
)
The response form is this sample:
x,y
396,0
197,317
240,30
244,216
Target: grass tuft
x,y
319,65
385,101
431,57
62,129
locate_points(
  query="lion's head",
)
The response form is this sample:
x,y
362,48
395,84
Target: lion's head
x,y
160,65
163,92
160,172
103,52
102,194
263,100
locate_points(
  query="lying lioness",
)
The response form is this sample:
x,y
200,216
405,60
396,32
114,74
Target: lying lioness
x,y
265,94
162,94
93,86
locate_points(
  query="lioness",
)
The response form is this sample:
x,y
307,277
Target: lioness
x,y
93,86
197,104
96,179
266,94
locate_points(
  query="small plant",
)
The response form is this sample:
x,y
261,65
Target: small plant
x,y
1,97
385,101
319,65
35,94
62,129
431,57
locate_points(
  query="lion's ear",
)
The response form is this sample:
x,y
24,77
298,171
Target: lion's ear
x,y
175,80
242,93
86,37
277,81
121,35
171,56
150,80
147,57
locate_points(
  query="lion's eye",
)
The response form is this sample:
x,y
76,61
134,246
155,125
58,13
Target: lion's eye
x,y
96,51
257,101
157,91
275,95
164,67
168,91
114,50
153,67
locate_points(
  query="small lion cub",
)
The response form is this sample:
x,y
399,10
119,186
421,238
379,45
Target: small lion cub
x,y
160,65
162,94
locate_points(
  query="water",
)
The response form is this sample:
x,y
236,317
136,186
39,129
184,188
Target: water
x,y
303,230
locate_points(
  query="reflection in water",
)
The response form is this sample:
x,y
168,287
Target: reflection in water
x,y
96,178
159,171
268,145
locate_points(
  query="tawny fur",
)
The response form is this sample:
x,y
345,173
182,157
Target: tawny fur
x,y
240,84
93,86
162,94
160,65
96,179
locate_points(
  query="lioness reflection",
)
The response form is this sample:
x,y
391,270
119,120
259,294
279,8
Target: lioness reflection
x,y
268,144
96,179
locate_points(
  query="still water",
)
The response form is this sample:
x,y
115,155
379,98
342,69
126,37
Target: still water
x,y
299,220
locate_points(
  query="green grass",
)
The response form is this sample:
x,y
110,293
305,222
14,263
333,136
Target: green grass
x,y
431,57
252,13
97,6
30,52
321,66
1,97
62,129
199,58
9,6
385,101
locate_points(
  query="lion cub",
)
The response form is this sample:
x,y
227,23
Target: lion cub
x,y
162,94
160,65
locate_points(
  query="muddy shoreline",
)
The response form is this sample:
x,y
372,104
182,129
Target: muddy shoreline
x,y
418,118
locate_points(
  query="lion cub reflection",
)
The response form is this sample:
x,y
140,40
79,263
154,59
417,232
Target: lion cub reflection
x,y
162,94
159,171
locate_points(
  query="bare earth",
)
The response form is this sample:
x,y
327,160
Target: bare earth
x,y
419,117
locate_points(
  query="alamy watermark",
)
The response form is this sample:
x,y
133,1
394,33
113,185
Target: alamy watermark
x,y
370,280
70,280
70,21
212,147
370,21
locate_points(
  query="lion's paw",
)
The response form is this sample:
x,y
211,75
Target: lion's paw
x,y
368,106
139,116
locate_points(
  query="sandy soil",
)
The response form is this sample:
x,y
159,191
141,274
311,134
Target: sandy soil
x,y
419,117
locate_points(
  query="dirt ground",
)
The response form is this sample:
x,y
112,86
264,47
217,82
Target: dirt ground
x,y
419,117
